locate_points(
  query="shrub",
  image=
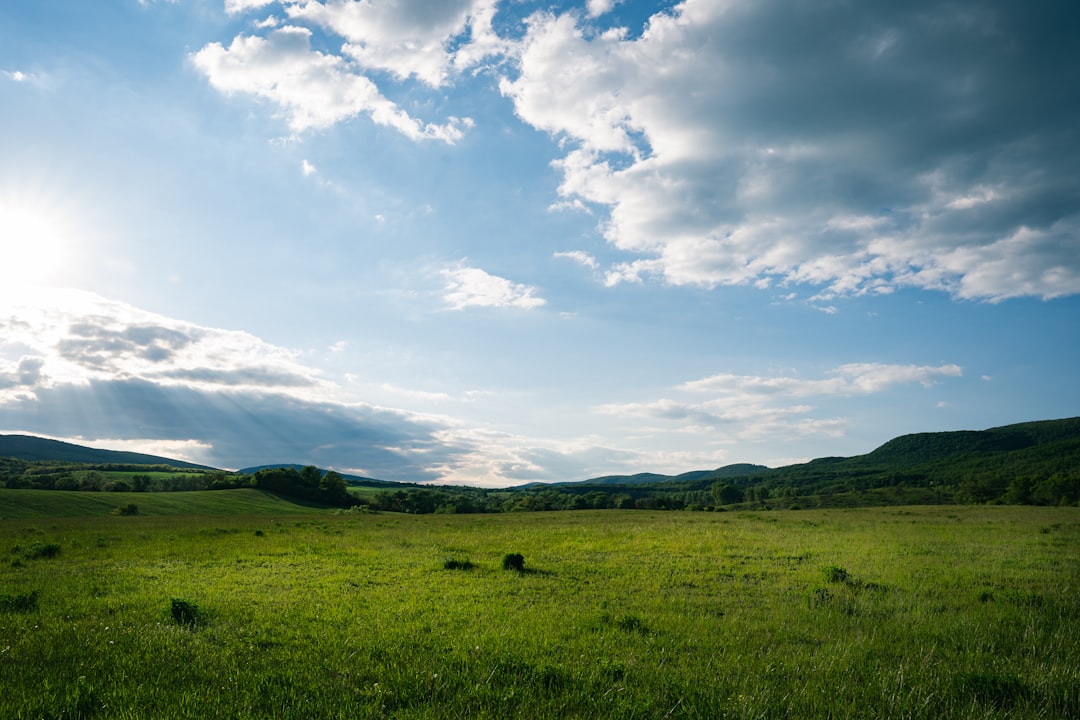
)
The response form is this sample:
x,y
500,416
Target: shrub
x,y
186,613
42,550
21,602
514,561
631,623
455,564
835,574
126,510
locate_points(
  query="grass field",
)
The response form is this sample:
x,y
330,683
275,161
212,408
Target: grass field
x,y
59,503
950,612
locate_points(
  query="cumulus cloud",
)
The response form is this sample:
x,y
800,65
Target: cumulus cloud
x,y
232,7
314,89
409,38
596,8
472,287
751,406
850,147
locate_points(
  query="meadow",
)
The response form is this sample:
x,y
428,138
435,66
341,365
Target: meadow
x,y
916,612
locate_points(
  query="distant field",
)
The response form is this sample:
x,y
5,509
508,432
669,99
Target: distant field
x,y
61,503
943,612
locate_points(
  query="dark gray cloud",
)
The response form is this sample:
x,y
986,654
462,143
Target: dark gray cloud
x,y
26,374
93,342
240,429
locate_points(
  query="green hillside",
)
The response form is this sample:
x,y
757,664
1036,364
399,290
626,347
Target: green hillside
x,y
27,447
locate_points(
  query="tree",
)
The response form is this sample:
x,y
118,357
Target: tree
x,y
724,494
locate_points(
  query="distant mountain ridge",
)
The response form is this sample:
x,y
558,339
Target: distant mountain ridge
x,y
978,465
736,470
30,447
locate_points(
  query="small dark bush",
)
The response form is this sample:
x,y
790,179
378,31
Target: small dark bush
x,y
455,564
22,602
186,613
835,574
126,510
42,550
259,533
514,561
631,623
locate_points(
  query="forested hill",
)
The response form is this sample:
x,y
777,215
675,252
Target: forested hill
x,y
27,447
1027,462
920,448
1034,462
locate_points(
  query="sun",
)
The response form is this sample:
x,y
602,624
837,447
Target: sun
x,y
34,242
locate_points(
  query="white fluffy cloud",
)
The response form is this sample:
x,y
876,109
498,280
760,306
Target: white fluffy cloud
x,y
472,287
238,6
408,38
843,146
851,149
314,89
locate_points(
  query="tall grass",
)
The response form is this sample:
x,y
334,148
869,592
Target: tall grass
x,y
58,503
938,612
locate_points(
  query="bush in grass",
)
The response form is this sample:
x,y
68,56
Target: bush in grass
x,y
19,602
455,564
514,561
42,551
835,574
126,510
186,613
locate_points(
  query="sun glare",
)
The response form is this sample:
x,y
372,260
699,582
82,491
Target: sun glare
x,y
33,243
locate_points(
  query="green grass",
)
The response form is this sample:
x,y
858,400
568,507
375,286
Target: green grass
x,y
958,612
61,503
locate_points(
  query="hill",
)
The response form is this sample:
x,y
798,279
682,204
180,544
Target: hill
x,y
736,470
355,480
36,449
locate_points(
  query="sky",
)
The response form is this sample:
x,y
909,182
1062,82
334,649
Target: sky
x,y
492,242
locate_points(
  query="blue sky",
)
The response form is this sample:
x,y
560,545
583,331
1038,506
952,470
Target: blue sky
x,y
502,241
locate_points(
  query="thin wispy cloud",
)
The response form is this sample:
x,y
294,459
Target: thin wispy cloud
x,y
750,406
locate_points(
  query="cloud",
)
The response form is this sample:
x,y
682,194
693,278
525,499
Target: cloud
x,y
854,148
234,429
472,287
750,406
596,8
409,38
579,256
94,369
232,7
850,379
17,75
314,89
